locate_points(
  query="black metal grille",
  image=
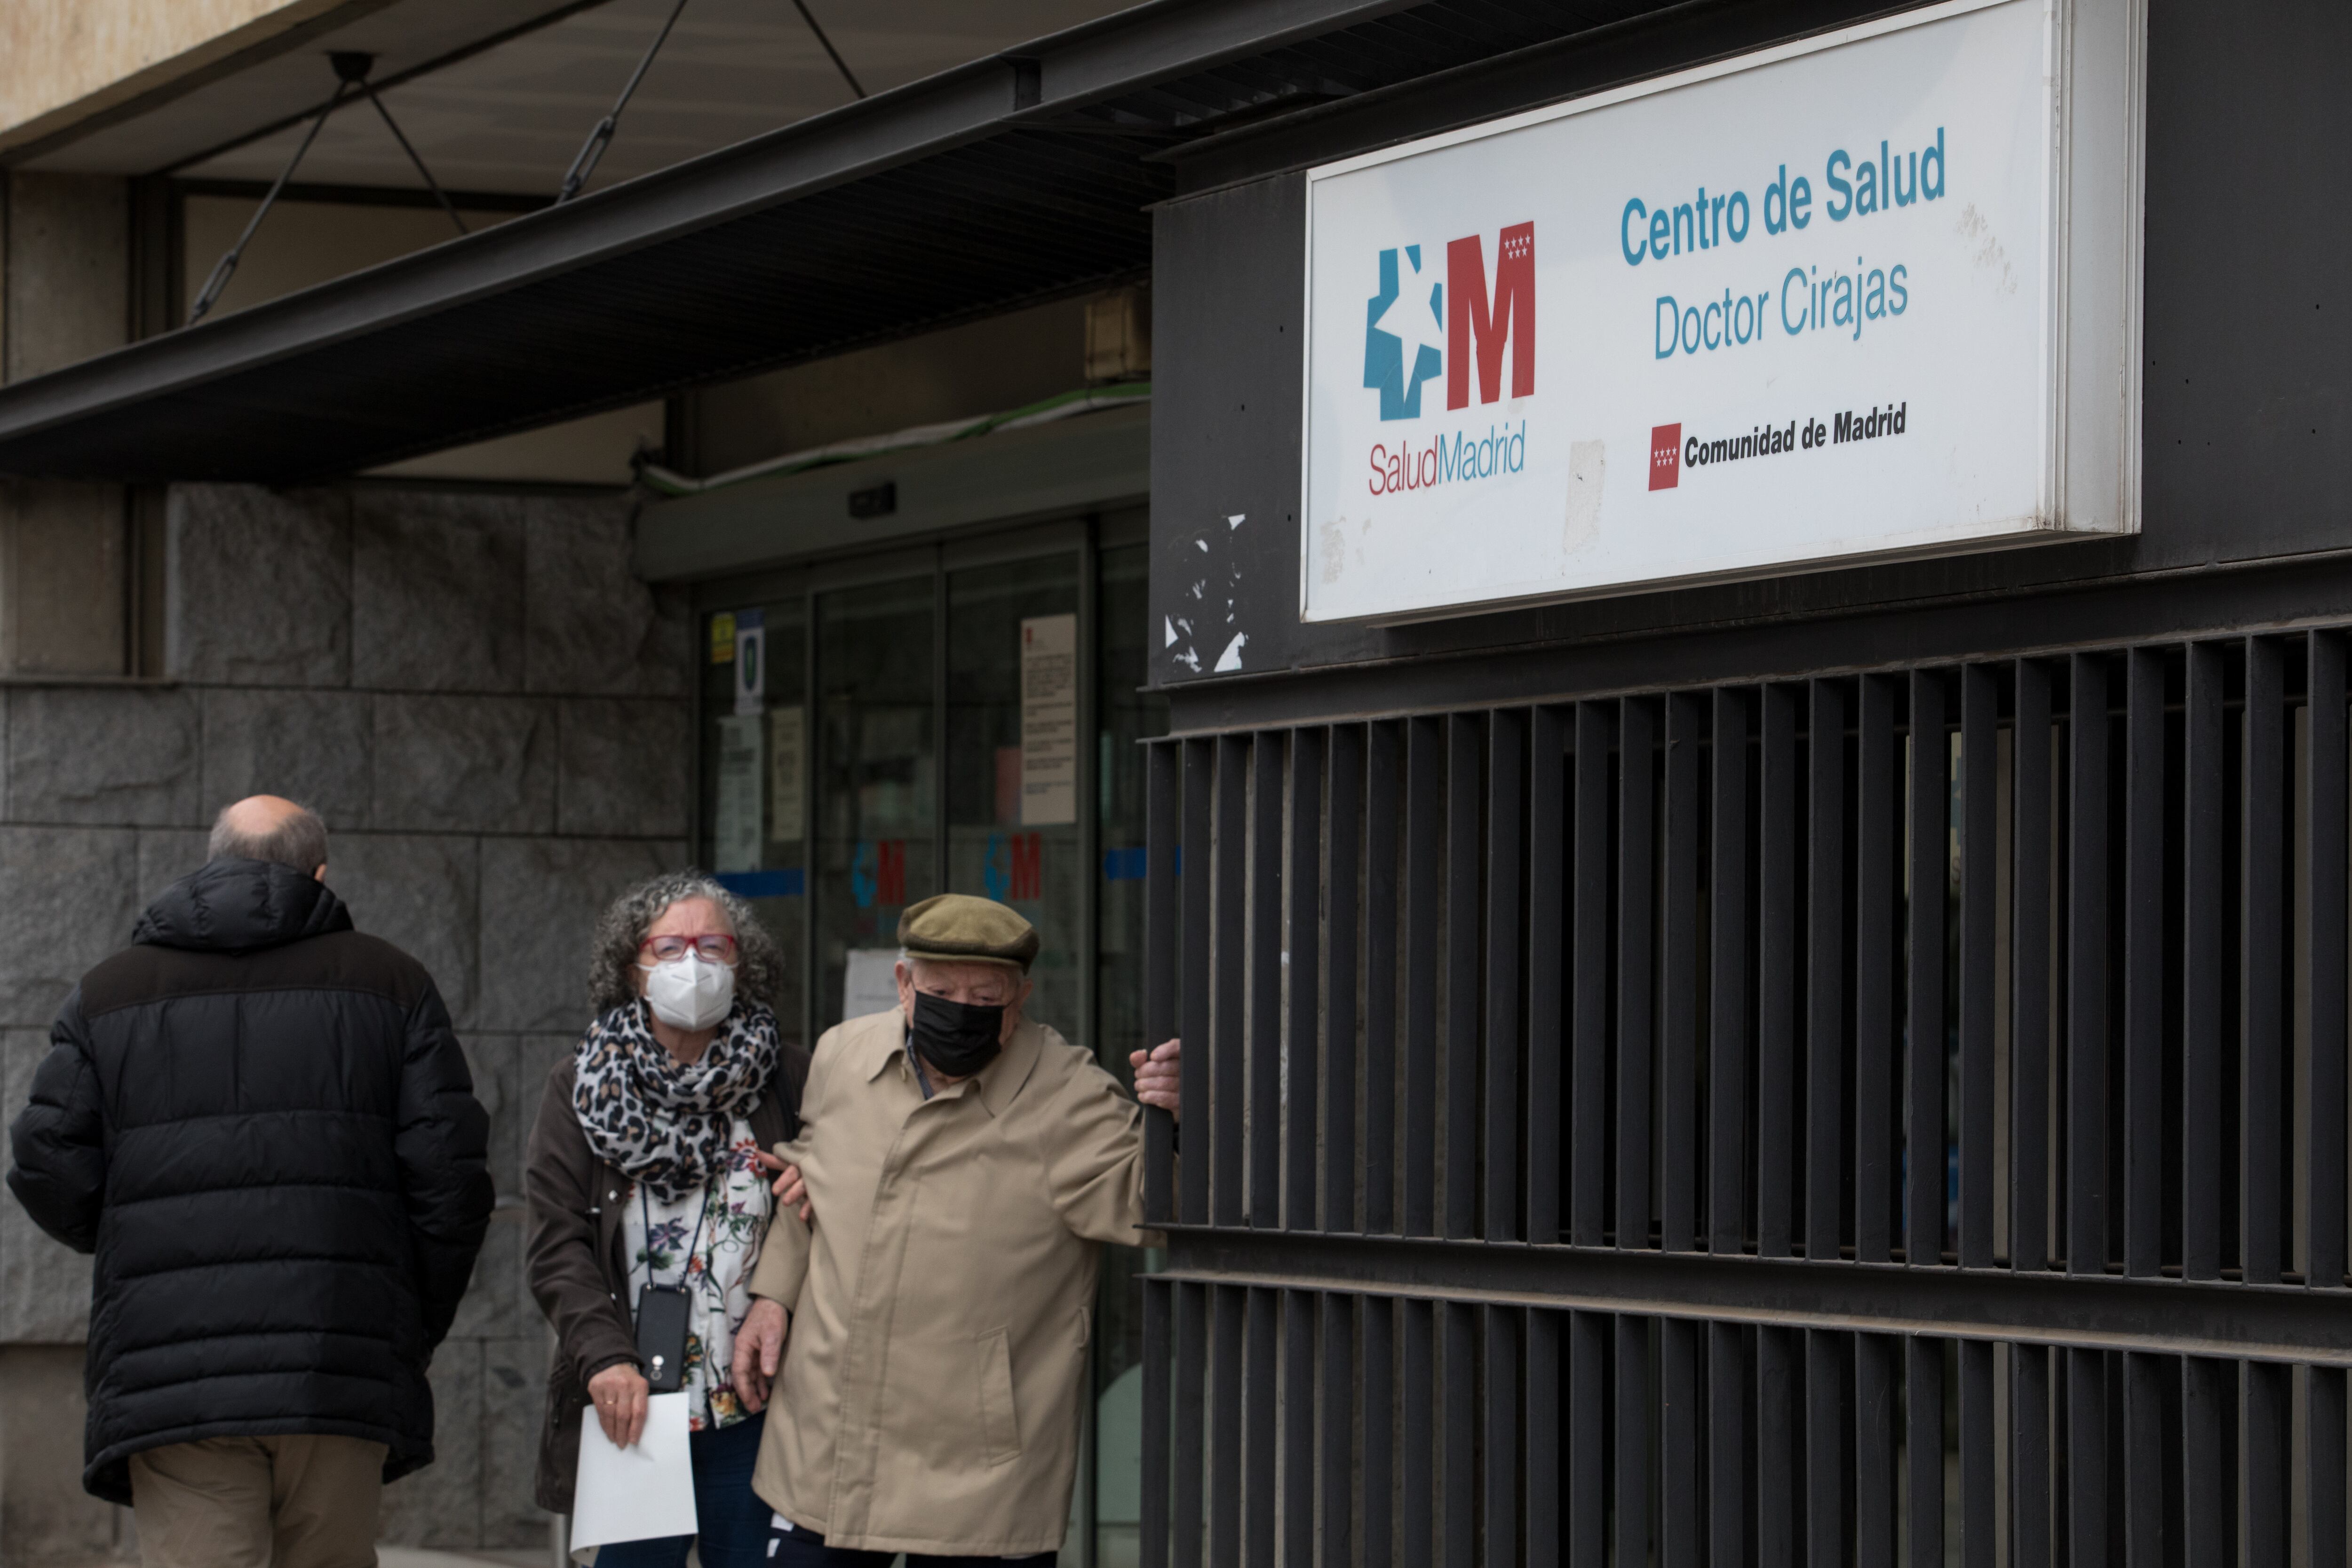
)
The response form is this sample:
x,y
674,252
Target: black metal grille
x,y
1830,1120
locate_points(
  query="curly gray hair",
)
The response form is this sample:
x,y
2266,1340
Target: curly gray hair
x,y
759,967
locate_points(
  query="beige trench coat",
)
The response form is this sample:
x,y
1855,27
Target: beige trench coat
x,y
930,1395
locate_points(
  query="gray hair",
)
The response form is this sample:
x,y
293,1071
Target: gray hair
x,y
298,838
760,962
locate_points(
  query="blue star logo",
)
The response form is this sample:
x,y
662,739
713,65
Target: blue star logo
x,y
1384,351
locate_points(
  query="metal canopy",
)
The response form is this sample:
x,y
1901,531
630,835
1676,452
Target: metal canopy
x,y
1005,181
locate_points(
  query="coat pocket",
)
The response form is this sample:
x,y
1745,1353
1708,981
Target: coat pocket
x,y
999,1420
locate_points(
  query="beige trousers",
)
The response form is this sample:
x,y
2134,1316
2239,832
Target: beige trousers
x,y
259,1502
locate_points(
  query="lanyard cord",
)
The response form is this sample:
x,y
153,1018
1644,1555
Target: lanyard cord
x,y
644,1207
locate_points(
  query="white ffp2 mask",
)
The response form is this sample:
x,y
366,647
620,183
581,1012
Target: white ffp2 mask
x,y
689,992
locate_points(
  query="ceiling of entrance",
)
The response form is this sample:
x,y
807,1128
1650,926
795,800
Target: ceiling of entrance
x,y
510,115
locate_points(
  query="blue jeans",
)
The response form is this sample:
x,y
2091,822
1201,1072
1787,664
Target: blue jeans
x,y
734,1522
806,1549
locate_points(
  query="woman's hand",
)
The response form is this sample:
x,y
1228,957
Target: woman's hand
x,y
790,1190
759,1349
619,1392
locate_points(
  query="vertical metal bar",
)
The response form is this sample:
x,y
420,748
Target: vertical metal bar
x,y
2087,968
1151,1518
1228,1088
2204,933
1979,1546
1875,1374
2267,1469
1192,1423
1637,728
1196,856
1304,1068
1825,971
1681,1513
1462,1104
1545,1451
2086,1456
1588,1142
2028,1457
1458,1327
1728,971
1380,979
1507,736
1923,1449
2325,786
2262,1044
1417,1467
1678,1079
1338,1084
1829,1371
2029,977
1633,1403
2209,1395
1379,1364
1225,1424
1261,1472
2324,1466
1547,950
1338,1372
1930,875
1776,976
1979,1003
1298,1475
2146,1505
1264,1040
1779,1441
1499,1455
1162,809
1587,1438
2144,963
1878,1048
1730,1373
1424,903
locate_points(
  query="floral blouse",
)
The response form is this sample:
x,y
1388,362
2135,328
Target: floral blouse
x,y
720,1273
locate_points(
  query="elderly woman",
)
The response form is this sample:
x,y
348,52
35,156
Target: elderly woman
x,y
648,1201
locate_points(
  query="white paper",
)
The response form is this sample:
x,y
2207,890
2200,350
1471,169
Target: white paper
x,y
735,828
784,798
869,983
641,1493
1049,721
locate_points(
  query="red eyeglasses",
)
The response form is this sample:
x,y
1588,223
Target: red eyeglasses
x,y
718,948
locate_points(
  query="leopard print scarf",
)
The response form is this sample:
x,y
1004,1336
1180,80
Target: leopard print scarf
x,y
661,1123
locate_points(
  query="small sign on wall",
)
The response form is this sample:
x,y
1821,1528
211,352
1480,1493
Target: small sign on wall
x,y
1049,721
751,661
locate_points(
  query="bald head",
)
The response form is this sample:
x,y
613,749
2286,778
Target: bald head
x,y
271,827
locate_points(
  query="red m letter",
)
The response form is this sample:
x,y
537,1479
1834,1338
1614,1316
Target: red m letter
x,y
1513,315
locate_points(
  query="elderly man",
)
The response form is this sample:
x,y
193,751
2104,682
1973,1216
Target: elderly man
x,y
965,1165
261,1122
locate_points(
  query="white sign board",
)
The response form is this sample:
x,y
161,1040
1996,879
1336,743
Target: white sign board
x,y
1867,295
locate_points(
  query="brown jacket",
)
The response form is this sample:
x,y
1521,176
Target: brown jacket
x,y
938,1351
577,1205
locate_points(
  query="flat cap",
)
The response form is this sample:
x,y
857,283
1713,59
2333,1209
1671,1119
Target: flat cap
x,y
959,928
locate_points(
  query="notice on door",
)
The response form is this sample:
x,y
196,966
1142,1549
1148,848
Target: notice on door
x,y
784,740
735,826
1049,721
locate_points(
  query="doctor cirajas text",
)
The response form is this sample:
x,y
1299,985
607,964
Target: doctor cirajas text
x,y
1828,295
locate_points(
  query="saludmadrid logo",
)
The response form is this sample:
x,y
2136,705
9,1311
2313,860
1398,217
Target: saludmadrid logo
x,y
1417,328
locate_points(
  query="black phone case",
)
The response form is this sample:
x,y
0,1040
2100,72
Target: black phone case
x,y
662,1313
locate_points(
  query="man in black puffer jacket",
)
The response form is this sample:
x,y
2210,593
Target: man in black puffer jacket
x,y
260,1122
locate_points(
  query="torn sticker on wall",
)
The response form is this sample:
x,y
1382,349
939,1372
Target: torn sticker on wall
x,y
1587,460
1218,580
1230,659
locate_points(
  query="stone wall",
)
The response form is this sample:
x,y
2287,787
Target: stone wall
x,y
491,716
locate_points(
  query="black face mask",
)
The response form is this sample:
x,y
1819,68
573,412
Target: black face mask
x,y
957,1038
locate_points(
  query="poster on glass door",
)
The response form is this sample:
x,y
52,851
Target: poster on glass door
x,y
1049,721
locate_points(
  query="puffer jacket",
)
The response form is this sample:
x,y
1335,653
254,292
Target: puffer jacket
x,y
260,1122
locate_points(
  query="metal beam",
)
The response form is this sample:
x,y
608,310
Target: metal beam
x,y
2254,1322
